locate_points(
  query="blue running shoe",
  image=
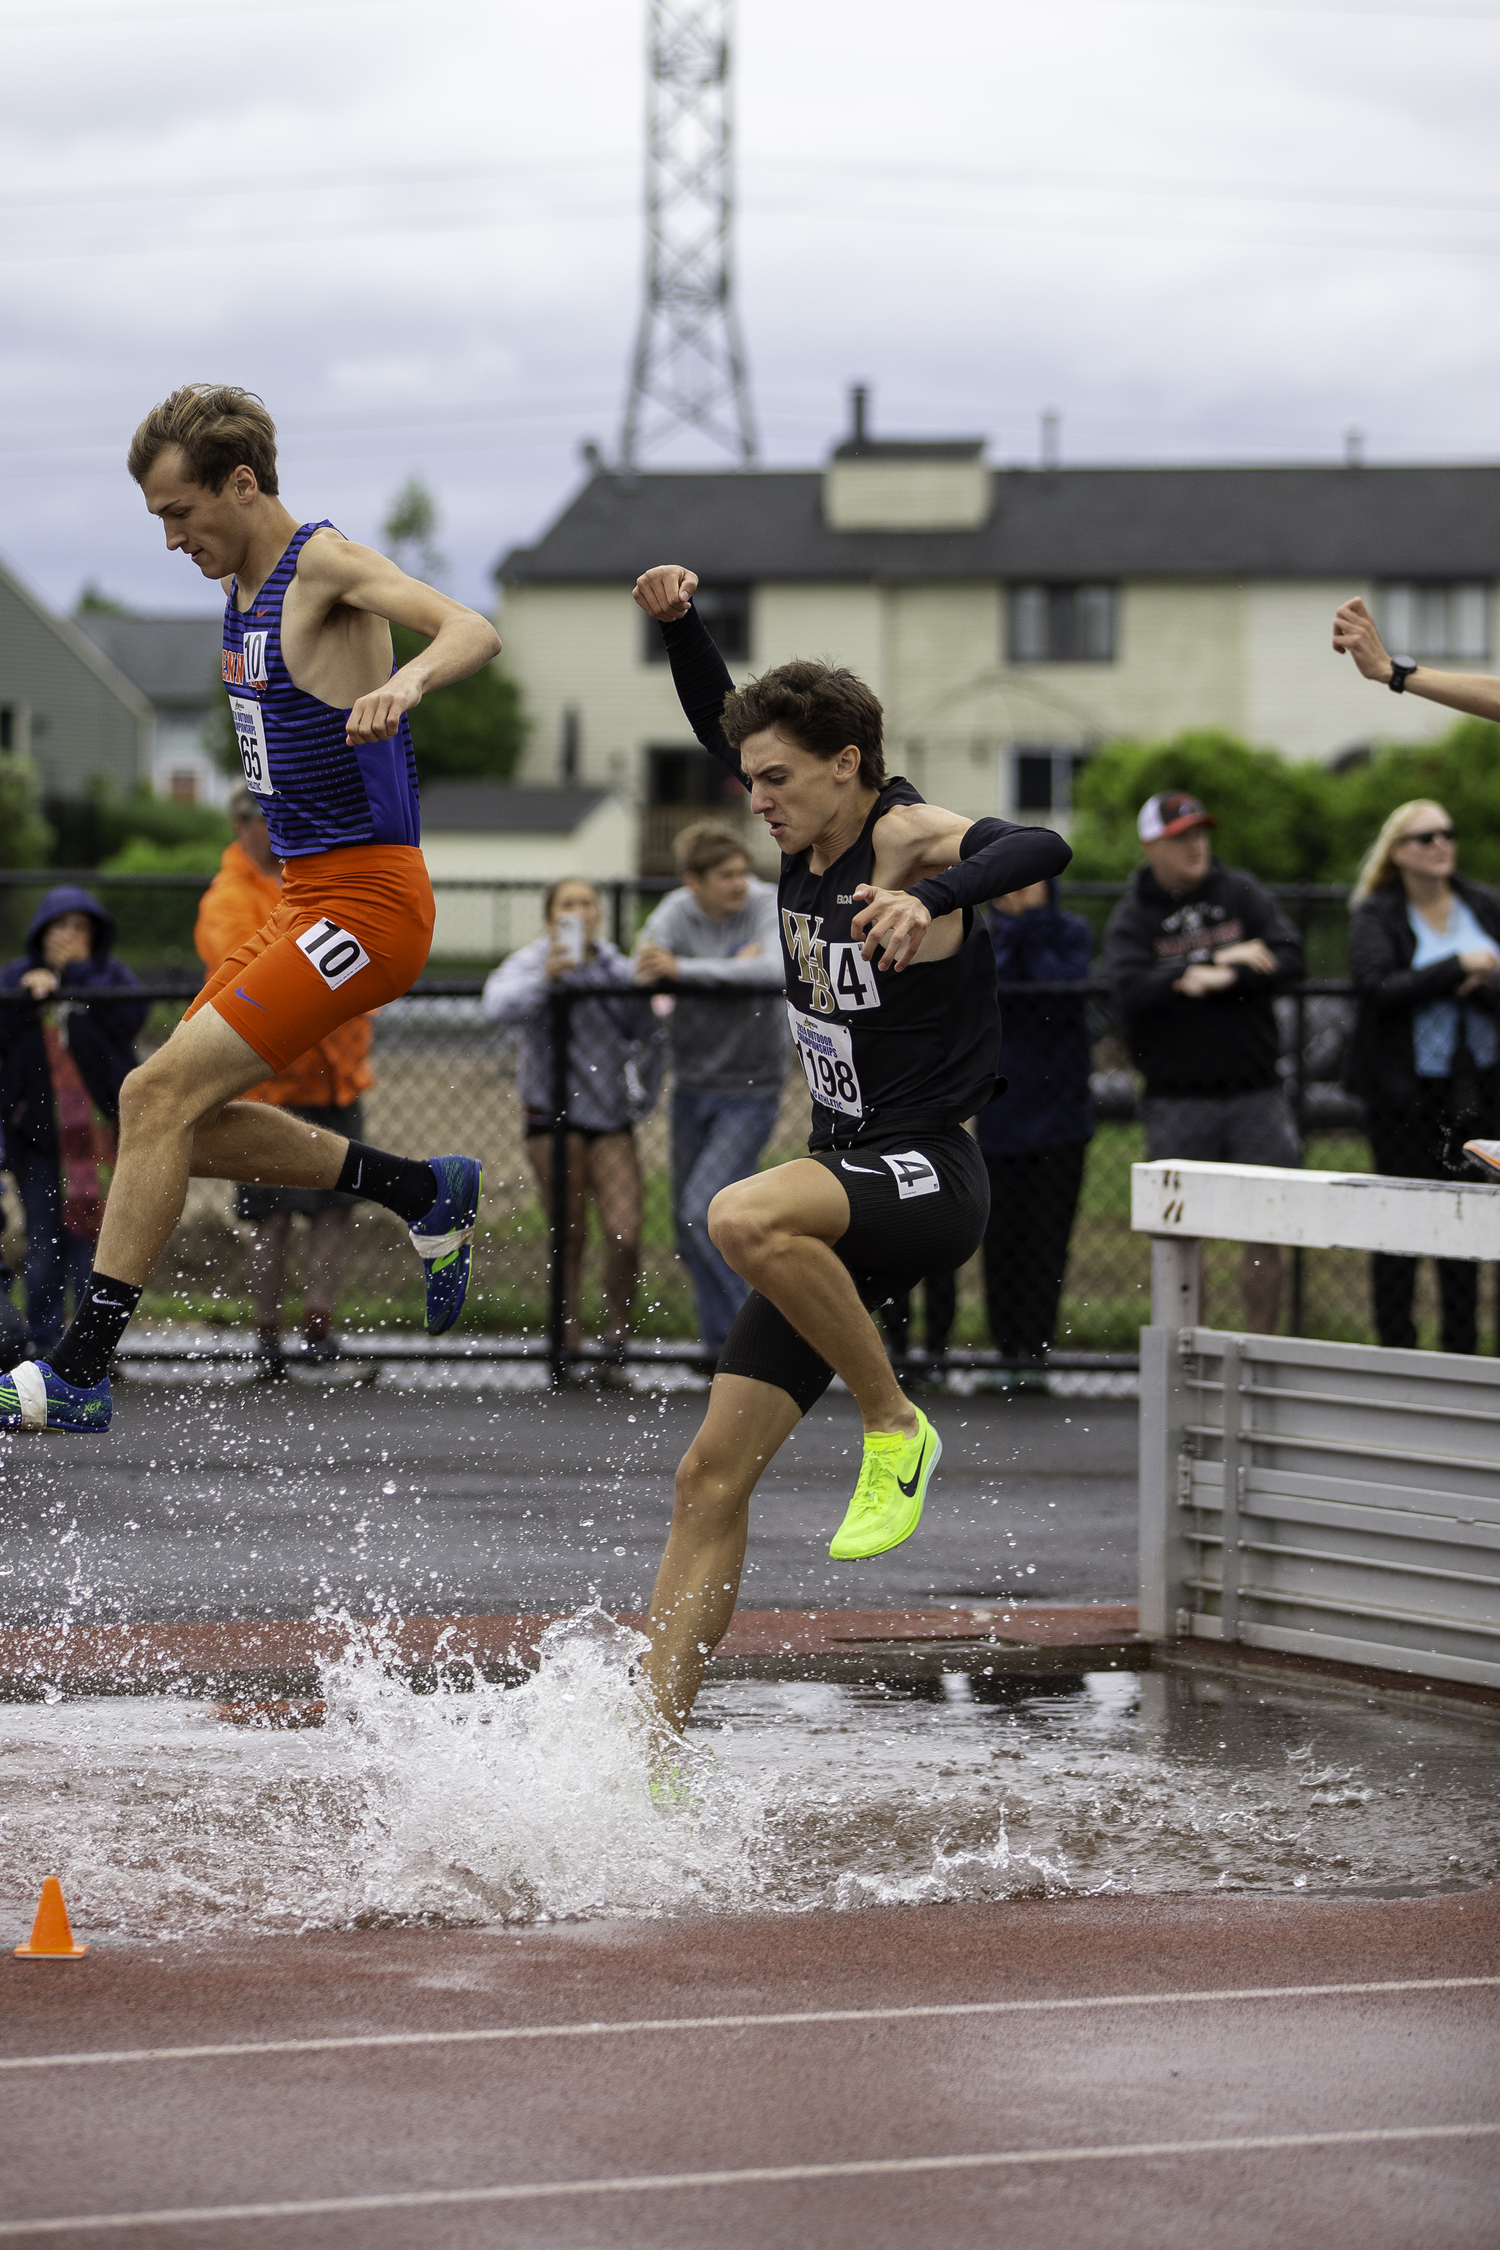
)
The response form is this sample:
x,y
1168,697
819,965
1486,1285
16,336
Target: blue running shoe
x,y
443,1236
33,1398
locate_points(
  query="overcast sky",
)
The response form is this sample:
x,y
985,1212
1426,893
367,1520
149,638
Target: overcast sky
x,y
1200,229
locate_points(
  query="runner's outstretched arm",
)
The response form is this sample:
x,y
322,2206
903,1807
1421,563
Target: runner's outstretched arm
x,y
1354,634
336,572
699,673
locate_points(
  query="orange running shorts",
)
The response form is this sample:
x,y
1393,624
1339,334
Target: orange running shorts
x,y
351,930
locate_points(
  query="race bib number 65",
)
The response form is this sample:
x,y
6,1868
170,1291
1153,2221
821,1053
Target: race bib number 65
x,y
333,952
826,1053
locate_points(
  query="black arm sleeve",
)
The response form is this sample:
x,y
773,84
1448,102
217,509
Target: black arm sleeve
x,y
995,856
701,678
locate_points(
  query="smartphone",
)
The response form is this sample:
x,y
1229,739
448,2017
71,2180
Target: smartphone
x,y
570,938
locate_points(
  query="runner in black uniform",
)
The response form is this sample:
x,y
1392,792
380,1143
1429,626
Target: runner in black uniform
x,y
891,998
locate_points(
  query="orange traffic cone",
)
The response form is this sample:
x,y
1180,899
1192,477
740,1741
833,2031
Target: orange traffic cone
x,y
51,1936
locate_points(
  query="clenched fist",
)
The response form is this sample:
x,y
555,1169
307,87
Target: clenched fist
x,y
665,592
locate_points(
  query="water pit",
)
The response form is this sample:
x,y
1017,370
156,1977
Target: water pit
x,y
533,1803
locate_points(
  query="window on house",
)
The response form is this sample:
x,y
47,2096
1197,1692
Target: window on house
x,y
725,610
182,786
689,777
1061,624
1042,778
1436,619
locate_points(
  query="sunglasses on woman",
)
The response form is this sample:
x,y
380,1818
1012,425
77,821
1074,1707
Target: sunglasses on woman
x,y
1428,836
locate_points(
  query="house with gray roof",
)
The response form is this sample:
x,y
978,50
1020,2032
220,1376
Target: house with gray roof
x,y
174,662
1011,619
476,834
63,704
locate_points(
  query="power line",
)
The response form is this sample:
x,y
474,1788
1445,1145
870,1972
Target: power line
x,y
1313,193
55,19
375,229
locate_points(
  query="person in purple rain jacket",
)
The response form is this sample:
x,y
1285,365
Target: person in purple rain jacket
x,y
61,1069
1035,1135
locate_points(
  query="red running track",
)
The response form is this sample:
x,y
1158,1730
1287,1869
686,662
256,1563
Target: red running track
x,y
1120,2074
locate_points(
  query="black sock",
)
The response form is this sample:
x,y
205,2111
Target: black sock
x,y
404,1184
83,1356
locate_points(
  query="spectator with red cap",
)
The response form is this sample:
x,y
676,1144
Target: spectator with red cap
x,y
1195,954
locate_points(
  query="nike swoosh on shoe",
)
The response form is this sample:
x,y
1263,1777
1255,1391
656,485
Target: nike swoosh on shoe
x,y
901,1483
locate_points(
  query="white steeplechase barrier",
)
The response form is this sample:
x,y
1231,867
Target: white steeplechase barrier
x,y
1332,1500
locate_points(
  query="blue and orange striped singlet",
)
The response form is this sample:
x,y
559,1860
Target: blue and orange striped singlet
x,y
317,791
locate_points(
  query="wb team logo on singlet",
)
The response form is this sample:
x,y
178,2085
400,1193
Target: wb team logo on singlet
x,y
838,976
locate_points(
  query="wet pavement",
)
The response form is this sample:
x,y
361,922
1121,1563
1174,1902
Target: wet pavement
x,y
1119,2072
223,1500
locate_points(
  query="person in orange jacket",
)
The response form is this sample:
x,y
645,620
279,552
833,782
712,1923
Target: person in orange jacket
x,y
323,1086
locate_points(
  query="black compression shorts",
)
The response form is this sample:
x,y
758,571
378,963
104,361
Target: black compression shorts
x,y
915,1208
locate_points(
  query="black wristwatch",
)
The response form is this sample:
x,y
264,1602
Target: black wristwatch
x,y
1402,669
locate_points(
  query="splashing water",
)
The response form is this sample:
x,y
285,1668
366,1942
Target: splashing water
x,y
485,1804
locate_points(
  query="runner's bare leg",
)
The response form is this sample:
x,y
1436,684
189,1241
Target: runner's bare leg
x,y
179,1121
777,1230
696,1586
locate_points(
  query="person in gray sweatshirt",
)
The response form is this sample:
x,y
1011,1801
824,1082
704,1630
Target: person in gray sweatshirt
x,y
614,1075
729,1058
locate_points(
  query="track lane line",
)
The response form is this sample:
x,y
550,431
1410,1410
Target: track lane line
x,y
755,2175
504,2034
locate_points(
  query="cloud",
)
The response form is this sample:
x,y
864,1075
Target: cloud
x,y
1199,231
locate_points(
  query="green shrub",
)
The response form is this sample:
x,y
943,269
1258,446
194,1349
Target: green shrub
x,y
157,926
1461,770
1275,817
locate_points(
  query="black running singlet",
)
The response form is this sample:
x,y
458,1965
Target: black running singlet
x,y
883,1050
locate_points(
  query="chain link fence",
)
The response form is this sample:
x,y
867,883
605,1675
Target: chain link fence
x,y
446,1080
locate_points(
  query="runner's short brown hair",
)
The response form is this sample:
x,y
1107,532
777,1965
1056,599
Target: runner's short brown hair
x,y
219,427
823,708
699,849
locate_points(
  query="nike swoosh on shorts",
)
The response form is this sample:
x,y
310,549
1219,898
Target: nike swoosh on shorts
x,y
868,1169
241,994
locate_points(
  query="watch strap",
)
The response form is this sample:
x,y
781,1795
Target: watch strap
x,y
1402,668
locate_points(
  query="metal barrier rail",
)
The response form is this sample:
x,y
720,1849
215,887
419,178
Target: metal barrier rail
x,y
1338,1500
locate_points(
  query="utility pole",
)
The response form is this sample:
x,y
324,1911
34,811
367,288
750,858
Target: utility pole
x,y
689,368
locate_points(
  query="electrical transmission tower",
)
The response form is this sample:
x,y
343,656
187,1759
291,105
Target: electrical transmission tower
x,y
689,368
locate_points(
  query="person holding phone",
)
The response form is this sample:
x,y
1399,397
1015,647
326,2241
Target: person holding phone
x,y
614,1075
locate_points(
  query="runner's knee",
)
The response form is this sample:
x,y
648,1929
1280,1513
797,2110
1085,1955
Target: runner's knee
x,y
737,1224
158,1096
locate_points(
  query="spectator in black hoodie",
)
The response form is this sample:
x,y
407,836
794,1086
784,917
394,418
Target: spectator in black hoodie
x,y
1195,954
61,1069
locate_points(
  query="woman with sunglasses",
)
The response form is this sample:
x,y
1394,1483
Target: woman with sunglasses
x,y
1424,952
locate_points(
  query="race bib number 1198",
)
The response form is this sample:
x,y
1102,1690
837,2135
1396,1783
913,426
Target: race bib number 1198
x,y
826,1053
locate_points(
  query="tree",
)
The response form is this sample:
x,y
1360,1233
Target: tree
x,y
1275,817
410,531
474,730
94,602
1460,771
26,839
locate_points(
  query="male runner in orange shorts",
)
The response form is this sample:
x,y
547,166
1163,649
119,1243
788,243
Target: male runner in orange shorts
x,y
320,714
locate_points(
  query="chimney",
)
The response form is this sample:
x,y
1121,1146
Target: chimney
x,y
1051,438
858,395
1354,449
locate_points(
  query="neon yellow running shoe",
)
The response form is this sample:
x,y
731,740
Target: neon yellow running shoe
x,y
887,1503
